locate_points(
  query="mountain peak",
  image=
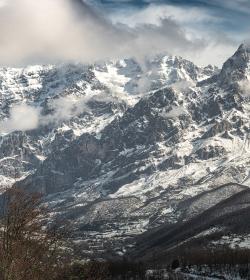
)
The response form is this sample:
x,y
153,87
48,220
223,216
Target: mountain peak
x,y
244,47
236,67
242,53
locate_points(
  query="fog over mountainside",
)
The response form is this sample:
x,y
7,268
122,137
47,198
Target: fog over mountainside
x,y
122,148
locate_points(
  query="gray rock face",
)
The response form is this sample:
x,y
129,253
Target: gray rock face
x,y
138,145
210,152
235,68
141,125
219,127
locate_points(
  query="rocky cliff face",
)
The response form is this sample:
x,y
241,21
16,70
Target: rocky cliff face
x,y
137,142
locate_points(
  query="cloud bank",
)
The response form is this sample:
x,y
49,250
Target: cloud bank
x,y
175,112
22,118
245,87
50,31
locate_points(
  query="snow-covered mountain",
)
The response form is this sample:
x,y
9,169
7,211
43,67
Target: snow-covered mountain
x,y
121,147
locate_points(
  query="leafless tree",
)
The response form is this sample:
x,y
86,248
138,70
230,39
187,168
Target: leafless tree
x,y
28,250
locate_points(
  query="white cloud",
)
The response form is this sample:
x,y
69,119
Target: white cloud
x,y
22,118
182,85
25,117
198,24
245,87
175,112
47,31
153,14
64,108
51,30
2,3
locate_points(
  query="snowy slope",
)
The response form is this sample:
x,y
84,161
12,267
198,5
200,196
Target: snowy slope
x,y
137,142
